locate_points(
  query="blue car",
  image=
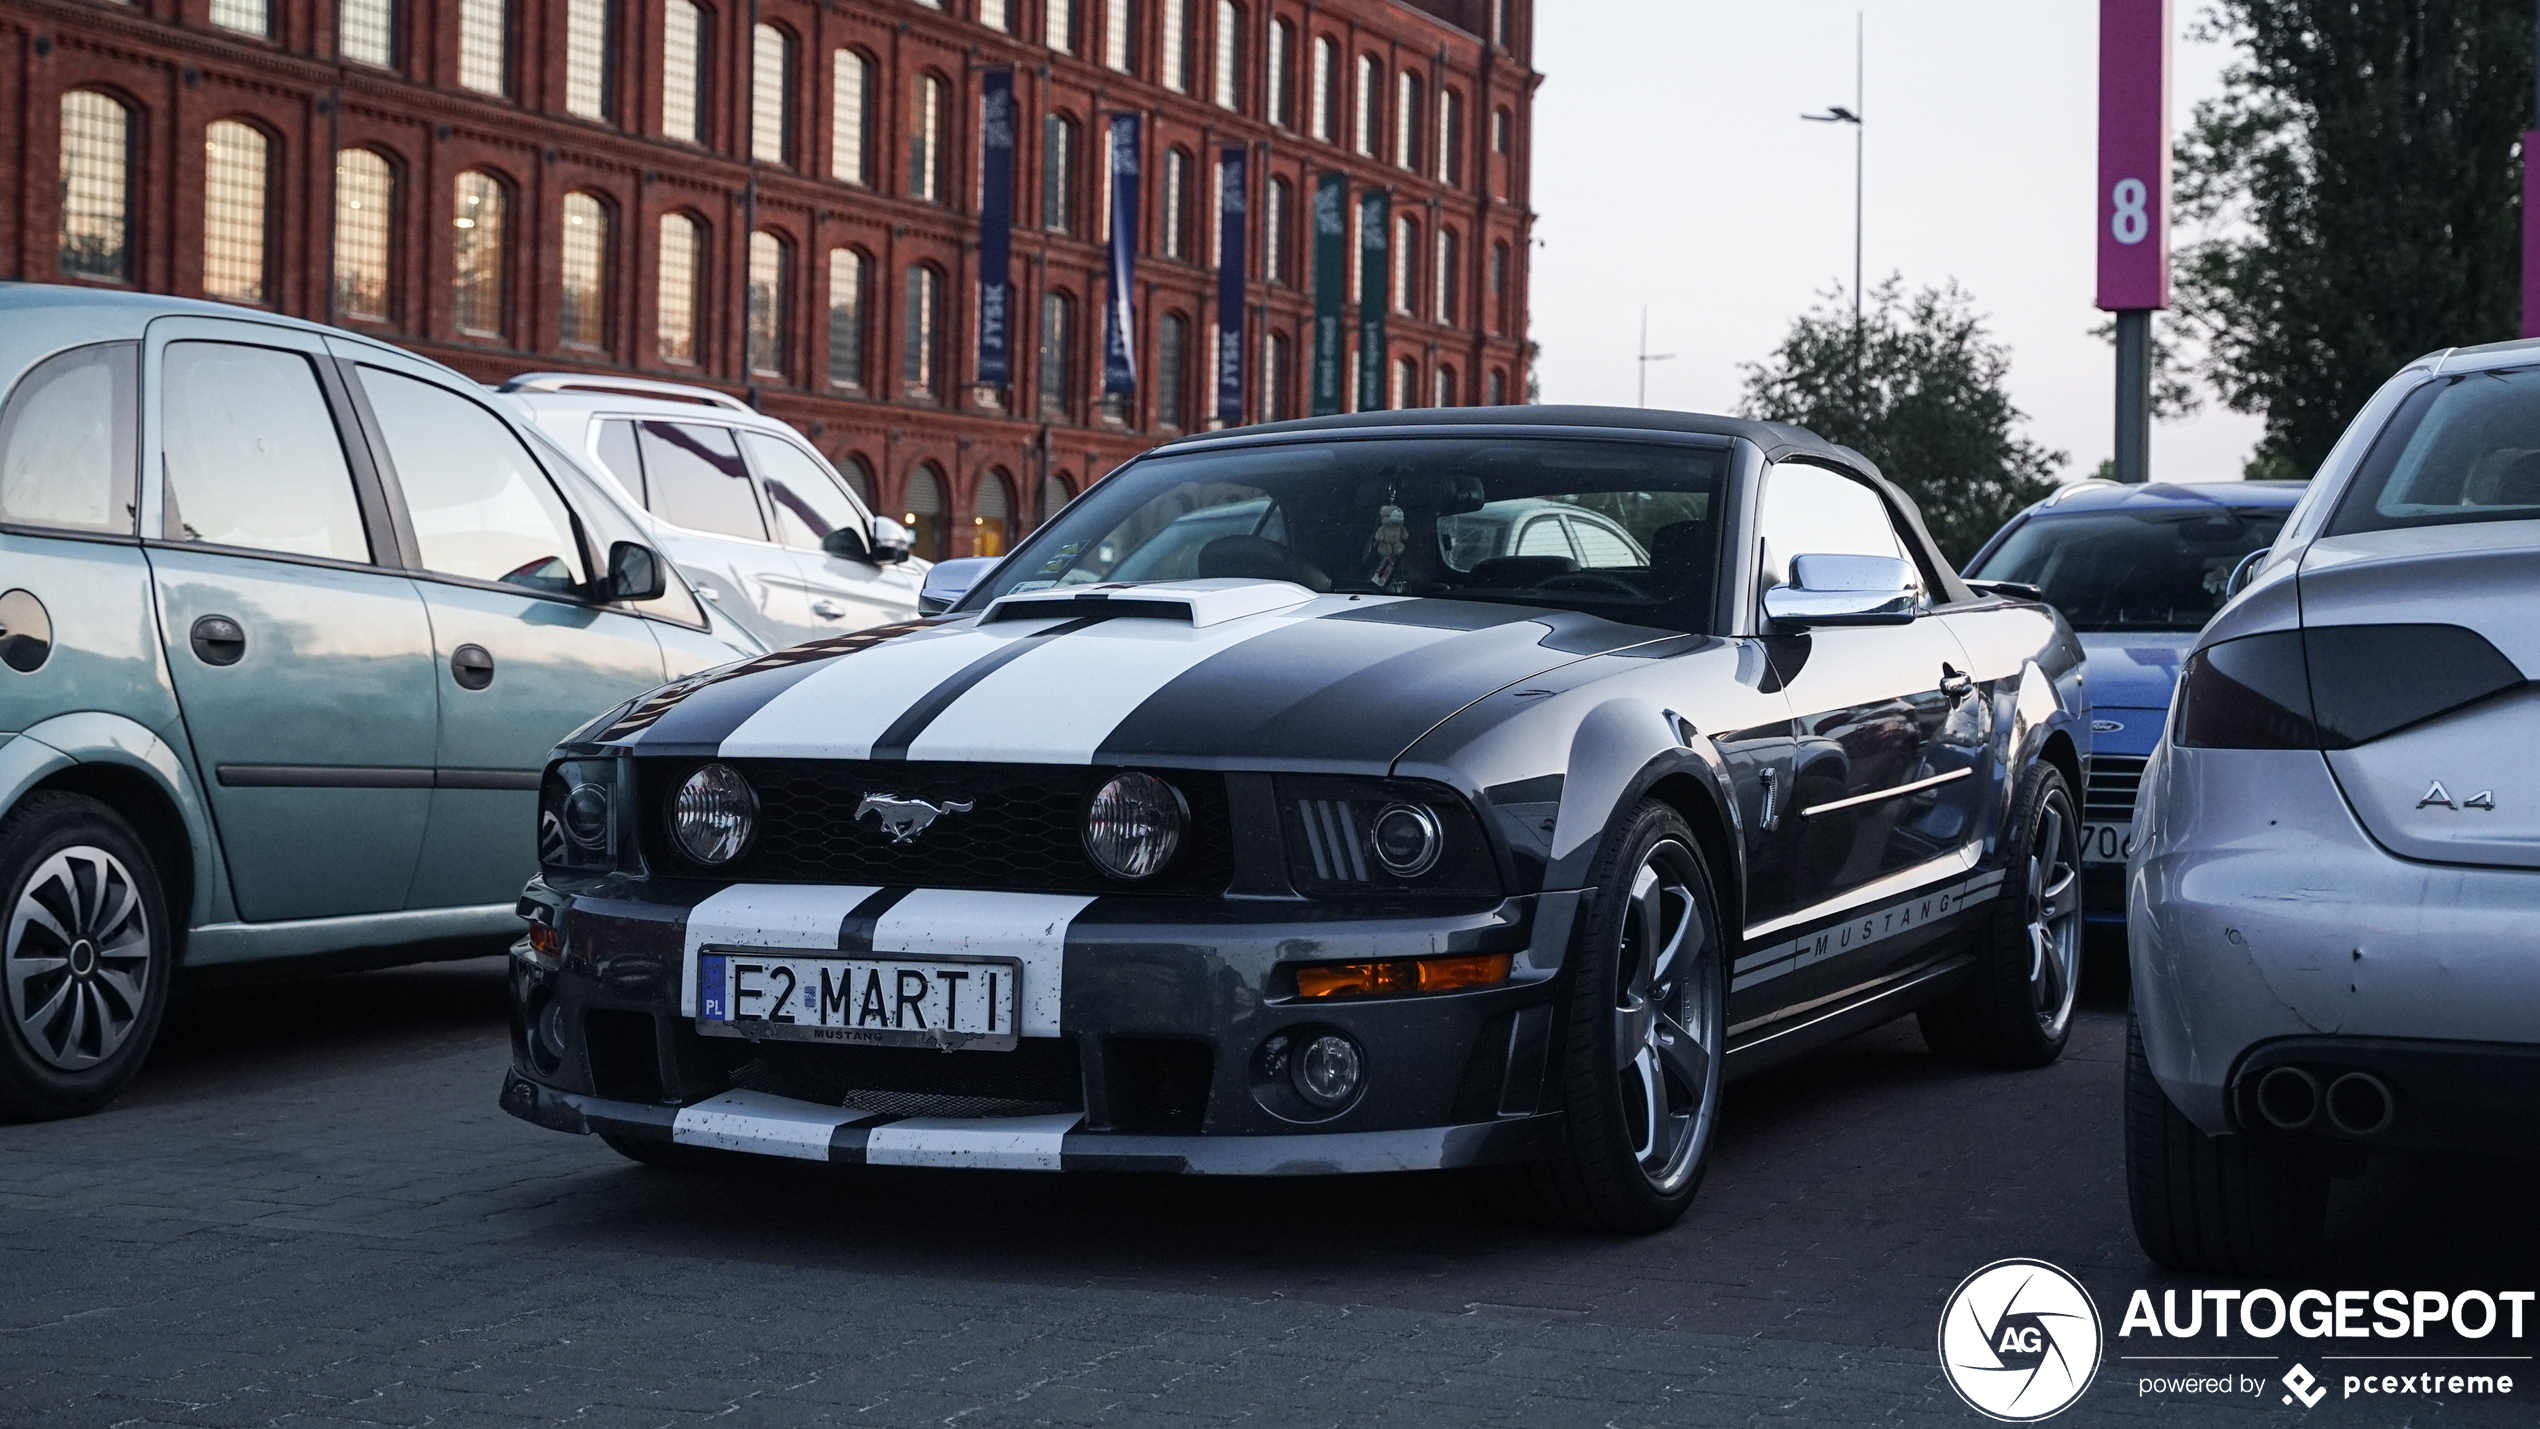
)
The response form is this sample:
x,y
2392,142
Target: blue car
x,y
2137,571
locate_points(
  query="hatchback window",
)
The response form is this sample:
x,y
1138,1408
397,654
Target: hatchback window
x,y
2133,570
807,501
66,443
253,458
482,509
2466,449
693,477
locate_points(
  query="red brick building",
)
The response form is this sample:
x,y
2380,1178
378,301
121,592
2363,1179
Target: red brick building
x,y
781,197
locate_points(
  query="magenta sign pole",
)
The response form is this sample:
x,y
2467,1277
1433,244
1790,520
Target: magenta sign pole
x,y
2134,206
2531,208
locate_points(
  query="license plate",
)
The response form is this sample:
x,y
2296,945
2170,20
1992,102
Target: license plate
x,y
948,1003
2107,843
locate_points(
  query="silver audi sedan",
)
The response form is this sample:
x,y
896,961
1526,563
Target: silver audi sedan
x,y
2332,900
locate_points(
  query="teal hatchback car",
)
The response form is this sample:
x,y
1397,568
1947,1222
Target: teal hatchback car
x,y
289,620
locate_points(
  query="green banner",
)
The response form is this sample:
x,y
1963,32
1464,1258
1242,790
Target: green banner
x,y
1331,276
1375,295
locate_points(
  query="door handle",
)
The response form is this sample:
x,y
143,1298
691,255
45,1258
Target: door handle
x,y
828,609
218,640
1955,683
472,666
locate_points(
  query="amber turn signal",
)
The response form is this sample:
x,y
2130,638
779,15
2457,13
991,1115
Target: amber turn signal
x,y
1399,976
545,941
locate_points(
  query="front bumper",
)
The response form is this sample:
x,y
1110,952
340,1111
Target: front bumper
x,y
2260,912
1147,1055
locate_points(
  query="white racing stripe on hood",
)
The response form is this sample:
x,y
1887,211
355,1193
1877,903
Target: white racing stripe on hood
x,y
1058,704
840,712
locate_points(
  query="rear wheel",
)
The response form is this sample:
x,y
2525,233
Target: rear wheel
x,y
2016,1009
1641,1036
84,957
2215,1205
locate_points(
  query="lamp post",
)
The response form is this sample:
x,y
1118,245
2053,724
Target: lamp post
x,y
1837,114
1646,356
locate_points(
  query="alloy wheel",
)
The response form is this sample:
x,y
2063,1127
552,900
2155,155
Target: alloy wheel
x,y
78,957
2054,915
1666,1009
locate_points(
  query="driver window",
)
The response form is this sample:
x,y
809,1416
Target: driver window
x,y
482,508
1813,511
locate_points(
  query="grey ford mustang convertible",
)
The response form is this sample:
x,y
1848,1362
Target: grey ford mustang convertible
x,y
1339,843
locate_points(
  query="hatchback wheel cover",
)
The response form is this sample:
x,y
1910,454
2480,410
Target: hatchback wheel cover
x,y
2054,916
1666,1041
78,958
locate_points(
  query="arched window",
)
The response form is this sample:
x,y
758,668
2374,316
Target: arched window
x,y
96,187
683,71
1177,203
1498,388
682,256
1448,305
476,254
1177,46
1055,493
996,14
1059,179
859,477
1274,232
771,302
1451,137
366,31
1278,384
235,206
1406,382
485,46
1324,103
1408,114
1058,350
1059,25
1282,105
588,67
1370,97
1447,396
850,92
1499,126
582,316
992,515
248,17
1499,286
771,95
929,108
923,512
365,233
1119,35
921,319
1172,368
848,274
1406,264
1229,78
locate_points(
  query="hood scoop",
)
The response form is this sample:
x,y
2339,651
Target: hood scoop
x,y
1198,603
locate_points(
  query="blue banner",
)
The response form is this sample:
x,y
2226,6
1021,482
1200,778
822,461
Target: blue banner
x,y
996,229
1234,171
1375,296
1331,276
1119,317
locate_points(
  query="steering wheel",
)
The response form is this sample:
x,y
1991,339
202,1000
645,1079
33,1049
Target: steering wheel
x,y
1591,583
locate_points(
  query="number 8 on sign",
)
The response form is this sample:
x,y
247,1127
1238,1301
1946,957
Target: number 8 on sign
x,y
2131,224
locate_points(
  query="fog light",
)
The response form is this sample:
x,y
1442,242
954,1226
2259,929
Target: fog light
x,y
586,817
546,1035
1133,826
1328,1072
1407,839
714,815
1399,976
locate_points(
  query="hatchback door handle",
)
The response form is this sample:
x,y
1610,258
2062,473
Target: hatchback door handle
x,y
218,640
1954,683
472,666
828,609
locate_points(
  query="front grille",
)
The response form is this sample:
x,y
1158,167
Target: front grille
x,y
1022,832
2113,780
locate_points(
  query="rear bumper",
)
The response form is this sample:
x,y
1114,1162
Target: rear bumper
x,y
986,1145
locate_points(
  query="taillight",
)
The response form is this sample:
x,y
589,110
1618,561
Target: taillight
x,y
2333,687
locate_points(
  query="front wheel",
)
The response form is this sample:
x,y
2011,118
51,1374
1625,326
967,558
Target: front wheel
x,y
1641,1032
84,956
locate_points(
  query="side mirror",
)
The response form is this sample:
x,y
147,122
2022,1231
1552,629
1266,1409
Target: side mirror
x,y
949,581
890,542
1846,590
635,573
2245,572
847,544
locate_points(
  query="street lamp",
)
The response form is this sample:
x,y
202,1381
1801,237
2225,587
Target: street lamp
x,y
1837,114
1647,357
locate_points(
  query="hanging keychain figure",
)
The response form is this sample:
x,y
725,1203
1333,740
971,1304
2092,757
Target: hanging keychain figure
x,y
1391,537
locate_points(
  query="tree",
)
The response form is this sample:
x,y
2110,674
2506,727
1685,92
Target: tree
x,y
2358,183
1918,389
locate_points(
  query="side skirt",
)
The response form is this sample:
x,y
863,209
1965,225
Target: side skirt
x,y
1884,1002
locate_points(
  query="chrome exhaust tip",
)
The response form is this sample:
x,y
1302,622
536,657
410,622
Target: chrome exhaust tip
x,y
2360,1104
2288,1097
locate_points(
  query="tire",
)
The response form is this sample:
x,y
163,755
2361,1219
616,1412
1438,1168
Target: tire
x,y
2215,1205
1644,1008
85,957
2015,1009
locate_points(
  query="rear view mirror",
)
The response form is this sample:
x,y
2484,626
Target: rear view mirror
x,y
2245,572
846,543
635,573
949,581
890,542
1846,590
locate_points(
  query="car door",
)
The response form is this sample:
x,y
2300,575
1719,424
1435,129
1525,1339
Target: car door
x,y
1885,780
690,475
302,656
522,655
808,502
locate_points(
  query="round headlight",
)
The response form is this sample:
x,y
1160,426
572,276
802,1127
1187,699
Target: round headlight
x,y
714,815
586,816
1133,826
1408,839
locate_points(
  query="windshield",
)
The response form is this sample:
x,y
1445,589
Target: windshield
x,y
1624,530
2467,449
2133,570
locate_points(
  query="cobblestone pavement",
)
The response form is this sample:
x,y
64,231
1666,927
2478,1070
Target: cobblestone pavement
x,y
309,1211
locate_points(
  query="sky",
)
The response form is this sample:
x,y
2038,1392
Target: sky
x,y
1672,170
